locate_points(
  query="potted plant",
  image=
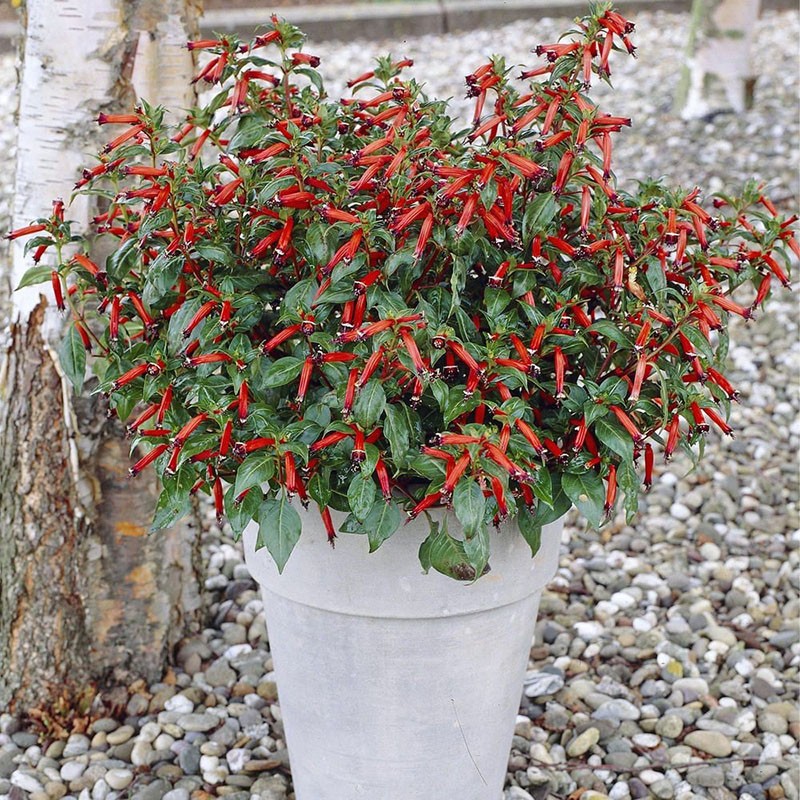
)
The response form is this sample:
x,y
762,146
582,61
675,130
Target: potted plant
x,y
334,316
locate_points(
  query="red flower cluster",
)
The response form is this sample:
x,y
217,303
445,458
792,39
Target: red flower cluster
x,y
358,304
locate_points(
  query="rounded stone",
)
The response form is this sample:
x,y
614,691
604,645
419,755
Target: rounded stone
x,y
712,742
669,726
120,735
119,779
583,743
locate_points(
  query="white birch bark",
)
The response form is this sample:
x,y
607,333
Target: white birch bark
x,y
84,592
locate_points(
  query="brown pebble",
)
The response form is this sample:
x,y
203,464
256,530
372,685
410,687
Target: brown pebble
x,y
261,765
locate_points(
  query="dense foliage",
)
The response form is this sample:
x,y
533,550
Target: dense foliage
x,y
360,304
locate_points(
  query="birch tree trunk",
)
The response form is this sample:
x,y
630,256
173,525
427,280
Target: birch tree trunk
x,y
84,591
719,48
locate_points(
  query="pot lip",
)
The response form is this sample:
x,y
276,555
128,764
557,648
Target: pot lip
x,y
390,584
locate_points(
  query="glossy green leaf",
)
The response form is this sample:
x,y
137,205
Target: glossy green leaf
x,y
279,528
445,554
34,275
256,469
361,495
369,405
381,522
469,505
614,437
587,492
72,355
281,372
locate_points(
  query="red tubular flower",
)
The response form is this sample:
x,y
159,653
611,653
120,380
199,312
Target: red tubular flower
x,y
530,435
164,404
279,338
327,521
145,461
699,421
369,368
763,291
131,375
188,429
242,402
530,169
350,393
718,421
559,365
384,481
424,234
142,418
453,476
468,211
208,358
305,379
241,449
648,466
499,495
226,193
58,293
611,488
720,380
226,438
673,433
627,423
413,350
140,309
638,379
328,440
503,461
424,504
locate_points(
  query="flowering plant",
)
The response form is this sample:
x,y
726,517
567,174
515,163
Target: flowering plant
x,y
360,304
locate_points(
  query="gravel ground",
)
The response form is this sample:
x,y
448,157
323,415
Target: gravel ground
x,y
667,652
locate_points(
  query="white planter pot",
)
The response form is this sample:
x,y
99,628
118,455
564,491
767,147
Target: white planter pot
x,y
393,684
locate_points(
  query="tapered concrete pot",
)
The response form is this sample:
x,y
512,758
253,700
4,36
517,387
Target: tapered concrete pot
x,y
393,684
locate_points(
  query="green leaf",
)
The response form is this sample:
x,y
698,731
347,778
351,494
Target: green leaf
x,y
531,531
123,259
240,515
361,495
608,329
398,432
538,216
381,522
476,549
256,469
281,372
587,492
496,301
614,437
446,555
656,280
352,525
369,405
215,253
72,355
542,486
319,488
630,483
35,275
169,509
469,505
279,528
174,501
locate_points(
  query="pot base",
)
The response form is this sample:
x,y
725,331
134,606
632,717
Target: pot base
x,y
382,699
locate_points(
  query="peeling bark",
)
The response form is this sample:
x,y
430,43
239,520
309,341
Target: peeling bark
x,y
86,593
